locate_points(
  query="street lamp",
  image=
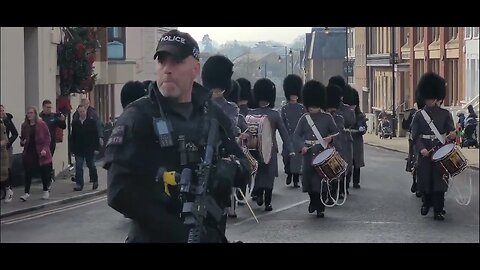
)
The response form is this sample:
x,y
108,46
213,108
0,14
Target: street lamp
x,y
393,60
346,52
279,58
260,68
291,56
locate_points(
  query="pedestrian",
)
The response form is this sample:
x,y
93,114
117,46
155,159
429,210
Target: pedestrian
x,y
91,113
12,135
85,145
53,121
35,138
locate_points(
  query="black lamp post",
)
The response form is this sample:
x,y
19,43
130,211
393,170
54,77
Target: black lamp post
x,y
393,61
291,56
346,52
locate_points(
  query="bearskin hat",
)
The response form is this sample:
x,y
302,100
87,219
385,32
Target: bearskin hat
x,y
217,72
314,94
419,100
348,97
431,86
292,85
245,89
355,97
333,96
265,90
131,91
234,93
337,80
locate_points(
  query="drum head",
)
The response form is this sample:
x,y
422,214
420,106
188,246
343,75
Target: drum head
x,y
322,156
443,151
265,138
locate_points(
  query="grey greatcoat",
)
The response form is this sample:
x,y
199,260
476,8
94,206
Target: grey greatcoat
x,y
349,117
326,126
291,114
267,172
358,156
230,109
429,178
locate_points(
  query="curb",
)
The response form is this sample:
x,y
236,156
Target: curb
x,y
53,203
403,152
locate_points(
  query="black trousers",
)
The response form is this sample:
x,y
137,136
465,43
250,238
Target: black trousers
x,y
316,202
356,175
268,194
435,200
45,174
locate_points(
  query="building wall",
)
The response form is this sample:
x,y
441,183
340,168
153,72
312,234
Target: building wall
x,y
425,49
360,67
12,94
331,68
29,76
472,64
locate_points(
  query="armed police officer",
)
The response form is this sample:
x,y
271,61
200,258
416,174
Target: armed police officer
x,y
166,170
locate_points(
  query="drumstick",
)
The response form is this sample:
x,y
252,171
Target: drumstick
x,y
245,199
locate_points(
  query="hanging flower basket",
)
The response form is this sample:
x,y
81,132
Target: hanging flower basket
x,y
76,55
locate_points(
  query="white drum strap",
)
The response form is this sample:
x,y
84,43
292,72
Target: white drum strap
x,y
315,131
432,126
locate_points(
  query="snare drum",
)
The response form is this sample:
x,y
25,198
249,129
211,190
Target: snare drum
x,y
449,159
329,164
260,136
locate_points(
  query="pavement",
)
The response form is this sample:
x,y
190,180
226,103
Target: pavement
x,y
401,145
61,193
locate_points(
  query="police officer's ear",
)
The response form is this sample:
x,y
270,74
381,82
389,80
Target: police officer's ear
x,y
196,68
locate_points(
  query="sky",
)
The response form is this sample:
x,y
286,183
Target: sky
x,y
223,34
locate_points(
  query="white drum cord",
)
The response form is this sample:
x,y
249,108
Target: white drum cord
x,y
459,198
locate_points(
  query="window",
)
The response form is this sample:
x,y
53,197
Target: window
x,y
476,31
435,34
468,32
435,66
452,33
116,43
419,35
406,35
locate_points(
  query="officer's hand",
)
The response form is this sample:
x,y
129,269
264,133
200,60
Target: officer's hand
x,y
96,152
425,152
452,136
61,117
304,150
328,139
100,141
43,153
244,136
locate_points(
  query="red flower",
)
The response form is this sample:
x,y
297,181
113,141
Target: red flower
x,y
91,58
79,51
